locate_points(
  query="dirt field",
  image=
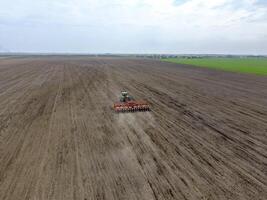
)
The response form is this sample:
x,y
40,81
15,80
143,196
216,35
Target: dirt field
x,y
205,138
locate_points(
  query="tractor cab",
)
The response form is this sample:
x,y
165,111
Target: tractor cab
x,y
125,97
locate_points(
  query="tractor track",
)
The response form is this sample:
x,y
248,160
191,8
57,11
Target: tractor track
x,y
205,137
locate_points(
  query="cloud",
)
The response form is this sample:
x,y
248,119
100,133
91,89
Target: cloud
x,y
132,26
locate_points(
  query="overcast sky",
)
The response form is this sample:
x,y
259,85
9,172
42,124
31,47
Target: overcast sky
x,y
134,26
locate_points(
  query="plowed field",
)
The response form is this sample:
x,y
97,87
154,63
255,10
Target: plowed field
x,y
205,137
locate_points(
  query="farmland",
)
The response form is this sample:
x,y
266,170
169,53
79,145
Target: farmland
x,y
244,65
205,137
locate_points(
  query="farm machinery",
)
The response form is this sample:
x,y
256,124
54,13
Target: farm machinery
x,y
128,104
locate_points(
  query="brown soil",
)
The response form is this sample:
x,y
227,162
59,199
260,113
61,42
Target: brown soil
x,y
205,138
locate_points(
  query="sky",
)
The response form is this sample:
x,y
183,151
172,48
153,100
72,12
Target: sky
x,y
134,26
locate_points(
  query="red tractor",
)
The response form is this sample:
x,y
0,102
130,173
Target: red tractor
x,y
128,104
